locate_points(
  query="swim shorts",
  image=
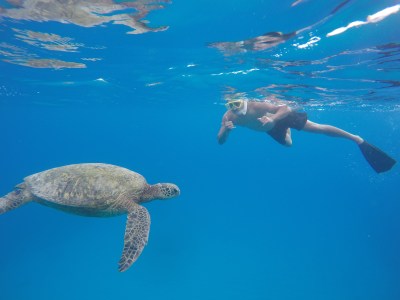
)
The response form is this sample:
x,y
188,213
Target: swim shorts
x,y
295,120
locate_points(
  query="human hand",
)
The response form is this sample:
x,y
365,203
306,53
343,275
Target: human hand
x,y
229,125
267,122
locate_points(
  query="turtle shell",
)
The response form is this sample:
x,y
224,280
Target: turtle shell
x,y
93,185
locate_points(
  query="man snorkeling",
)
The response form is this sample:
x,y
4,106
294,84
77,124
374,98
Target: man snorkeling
x,y
277,120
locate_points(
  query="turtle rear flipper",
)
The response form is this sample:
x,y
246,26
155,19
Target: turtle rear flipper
x,y
19,196
136,236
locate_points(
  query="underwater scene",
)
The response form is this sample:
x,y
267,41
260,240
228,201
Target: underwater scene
x,y
180,149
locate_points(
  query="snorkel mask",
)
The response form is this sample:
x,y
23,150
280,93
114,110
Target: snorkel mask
x,y
238,107
234,105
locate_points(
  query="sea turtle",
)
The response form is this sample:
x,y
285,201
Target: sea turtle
x,y
95,190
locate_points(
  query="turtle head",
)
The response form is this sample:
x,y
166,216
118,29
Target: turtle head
x,y
168,190
161,191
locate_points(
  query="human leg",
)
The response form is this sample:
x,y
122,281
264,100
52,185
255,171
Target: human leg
x,y
379,160
331,131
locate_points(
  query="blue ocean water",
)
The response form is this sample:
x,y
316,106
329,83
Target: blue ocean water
x,y
255,220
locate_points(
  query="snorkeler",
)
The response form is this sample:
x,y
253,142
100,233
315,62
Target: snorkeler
x,y
277,121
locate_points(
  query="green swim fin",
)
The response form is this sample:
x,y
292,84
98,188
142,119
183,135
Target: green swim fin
x,y
379,160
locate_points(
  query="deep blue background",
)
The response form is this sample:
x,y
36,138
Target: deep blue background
x,y
255,220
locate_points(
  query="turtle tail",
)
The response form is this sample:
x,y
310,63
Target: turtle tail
x,y
13,200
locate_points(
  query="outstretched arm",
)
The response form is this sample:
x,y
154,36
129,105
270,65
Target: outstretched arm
x,y
226,127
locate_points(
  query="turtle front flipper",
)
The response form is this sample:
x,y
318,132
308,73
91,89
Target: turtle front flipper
x,y
19,196
136,236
